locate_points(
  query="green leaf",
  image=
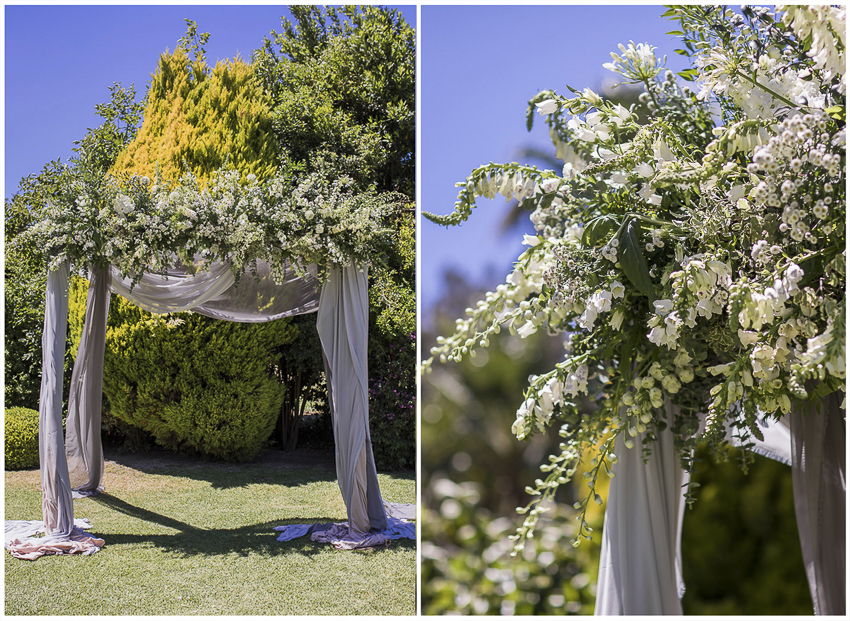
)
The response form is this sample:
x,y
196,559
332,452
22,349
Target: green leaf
x,y
596,229
632,259
677,33
837,112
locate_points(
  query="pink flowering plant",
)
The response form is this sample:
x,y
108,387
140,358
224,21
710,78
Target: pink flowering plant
x,y
691,250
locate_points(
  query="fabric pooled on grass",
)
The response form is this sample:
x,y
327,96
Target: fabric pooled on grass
x,y
340,536
22,540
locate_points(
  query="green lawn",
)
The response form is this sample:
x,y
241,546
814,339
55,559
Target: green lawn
x,y
192,537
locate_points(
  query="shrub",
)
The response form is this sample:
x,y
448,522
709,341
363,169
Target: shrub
x,y
196,384
21,439
392,407
392,351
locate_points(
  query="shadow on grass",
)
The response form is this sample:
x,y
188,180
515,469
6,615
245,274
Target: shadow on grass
x,y
273,467
194,541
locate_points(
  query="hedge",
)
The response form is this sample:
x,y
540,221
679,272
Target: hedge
x,y
21,439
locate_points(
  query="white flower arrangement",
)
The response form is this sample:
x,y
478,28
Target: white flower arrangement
x,y
692,250
141,227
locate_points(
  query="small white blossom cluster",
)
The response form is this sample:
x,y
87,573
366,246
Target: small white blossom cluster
x,y
545,394
800,151
141,227
638,63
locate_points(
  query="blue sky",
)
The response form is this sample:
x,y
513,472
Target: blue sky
x,y
480,66
61,60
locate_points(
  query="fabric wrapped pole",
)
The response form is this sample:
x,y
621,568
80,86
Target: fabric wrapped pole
x,y
640,564
818,473
57,504
343,325
82,429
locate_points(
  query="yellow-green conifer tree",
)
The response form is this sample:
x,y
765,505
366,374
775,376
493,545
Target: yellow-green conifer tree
x,y
199,118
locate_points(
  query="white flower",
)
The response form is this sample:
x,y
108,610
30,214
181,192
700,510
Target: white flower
x,y
617,318
123,205
662,152
621,115
592,97
601,300
747,337
588,317
662,307
550,185
548,106
527,329
644,170
617,289
581,130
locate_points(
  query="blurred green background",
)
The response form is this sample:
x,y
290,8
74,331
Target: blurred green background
x,y
741,553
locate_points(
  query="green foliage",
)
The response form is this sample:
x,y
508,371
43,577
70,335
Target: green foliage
x,y
343,84
25,281
21,438
99,148
392,350
200,118
195,384
741,549
466,568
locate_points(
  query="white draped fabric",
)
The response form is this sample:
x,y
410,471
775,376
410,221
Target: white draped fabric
x,y
57,505
343,325
818,461
640,567
343,312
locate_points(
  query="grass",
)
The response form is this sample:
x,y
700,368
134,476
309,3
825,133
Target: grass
x,y
190,537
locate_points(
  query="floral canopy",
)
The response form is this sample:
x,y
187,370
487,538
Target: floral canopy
x,y
186,248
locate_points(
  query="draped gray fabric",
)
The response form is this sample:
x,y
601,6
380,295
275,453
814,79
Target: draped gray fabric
x,y
343,326
640,563
636,566
343,323
819,476
82,428
57,505
215,293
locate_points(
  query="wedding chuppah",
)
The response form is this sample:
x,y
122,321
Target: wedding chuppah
x,y
212,271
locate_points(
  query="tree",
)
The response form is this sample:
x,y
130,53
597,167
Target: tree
x,y
342,85
200,118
